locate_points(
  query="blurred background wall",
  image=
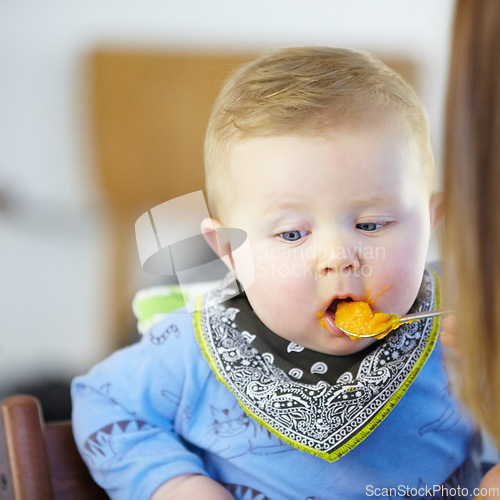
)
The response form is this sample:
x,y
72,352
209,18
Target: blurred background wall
x,y
54,223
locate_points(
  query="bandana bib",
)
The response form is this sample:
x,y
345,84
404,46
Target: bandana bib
x,y
322,404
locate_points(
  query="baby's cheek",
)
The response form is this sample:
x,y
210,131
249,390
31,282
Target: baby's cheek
x,y
282,272
281,287
394,288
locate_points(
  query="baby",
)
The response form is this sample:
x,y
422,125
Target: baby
x,y
322,157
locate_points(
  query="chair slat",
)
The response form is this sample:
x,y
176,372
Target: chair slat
x,y
26,453
40,461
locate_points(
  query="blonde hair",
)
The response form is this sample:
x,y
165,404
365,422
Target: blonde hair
x,y
471,242
305,90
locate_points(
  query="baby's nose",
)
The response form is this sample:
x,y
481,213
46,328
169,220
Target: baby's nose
x,y
337,259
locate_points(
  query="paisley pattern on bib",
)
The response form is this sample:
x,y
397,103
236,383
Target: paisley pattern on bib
x,y
327,418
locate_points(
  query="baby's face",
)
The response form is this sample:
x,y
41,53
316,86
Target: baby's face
x,y
330,217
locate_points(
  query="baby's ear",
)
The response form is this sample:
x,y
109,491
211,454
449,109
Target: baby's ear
x,y
232,246
209,230
436,208
219,245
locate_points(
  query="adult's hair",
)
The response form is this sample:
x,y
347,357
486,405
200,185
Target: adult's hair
x,y
471,240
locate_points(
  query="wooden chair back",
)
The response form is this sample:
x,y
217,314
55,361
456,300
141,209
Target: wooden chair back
x,y
149,111
38,460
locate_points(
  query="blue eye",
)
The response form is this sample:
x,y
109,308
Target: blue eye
x,y
368,226
293,235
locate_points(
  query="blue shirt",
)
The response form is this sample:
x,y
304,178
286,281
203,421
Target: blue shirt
x,y
156,409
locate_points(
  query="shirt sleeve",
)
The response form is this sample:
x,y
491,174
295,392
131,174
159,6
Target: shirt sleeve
x,y
126,414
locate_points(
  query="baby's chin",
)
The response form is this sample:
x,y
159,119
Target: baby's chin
x,y
343,347
319,339
331,344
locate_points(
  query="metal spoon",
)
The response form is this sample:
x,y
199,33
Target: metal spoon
x,y
408,318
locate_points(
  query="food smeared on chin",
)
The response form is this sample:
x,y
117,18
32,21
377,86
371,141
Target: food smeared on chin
x,y
358,317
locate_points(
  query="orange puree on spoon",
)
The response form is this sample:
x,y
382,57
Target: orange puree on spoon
x,y
358,317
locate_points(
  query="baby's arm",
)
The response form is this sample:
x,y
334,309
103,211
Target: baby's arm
x,y
189,486
125,414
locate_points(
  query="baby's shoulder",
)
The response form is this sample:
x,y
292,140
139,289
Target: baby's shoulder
x,y
152,305
165,322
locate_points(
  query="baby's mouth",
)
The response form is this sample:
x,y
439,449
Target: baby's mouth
x,y
335,302
327,316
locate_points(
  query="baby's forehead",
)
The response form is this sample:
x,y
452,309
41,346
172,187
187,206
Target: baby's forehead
x,y
389,135
294,161
386,134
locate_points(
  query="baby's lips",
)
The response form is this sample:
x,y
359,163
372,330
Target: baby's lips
x,y
327,321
